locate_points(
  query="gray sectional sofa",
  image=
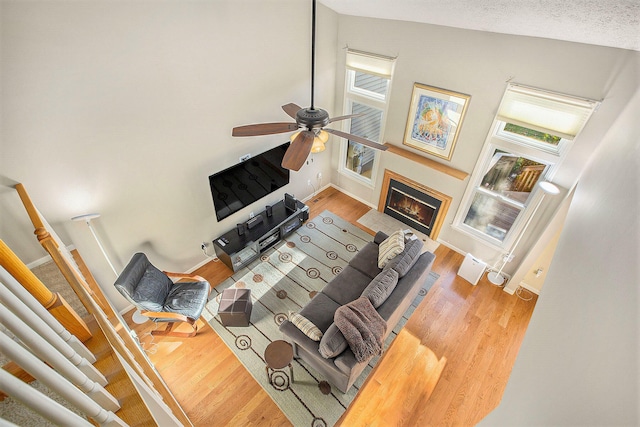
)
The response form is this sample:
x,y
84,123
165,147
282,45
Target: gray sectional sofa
x,y
339,366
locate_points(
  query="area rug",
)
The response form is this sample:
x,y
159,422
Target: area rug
x,y
282,280
380,221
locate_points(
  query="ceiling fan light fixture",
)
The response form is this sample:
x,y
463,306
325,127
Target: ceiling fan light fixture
x,y
318,141
318,145
322,136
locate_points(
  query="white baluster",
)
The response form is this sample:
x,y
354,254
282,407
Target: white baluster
x,y
39,402
55,382
41,328
45,351
5,423
18,290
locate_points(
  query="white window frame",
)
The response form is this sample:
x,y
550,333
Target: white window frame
x,y
380,102
494,141
550,155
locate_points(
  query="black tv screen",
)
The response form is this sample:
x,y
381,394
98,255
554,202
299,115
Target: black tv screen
x,y
240,185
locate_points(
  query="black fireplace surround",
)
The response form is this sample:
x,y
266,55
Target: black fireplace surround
x,y
411,206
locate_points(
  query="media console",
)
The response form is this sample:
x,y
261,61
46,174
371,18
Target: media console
x,y
243,244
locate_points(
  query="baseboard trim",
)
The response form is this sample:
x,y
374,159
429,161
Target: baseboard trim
x,y
45,259
353,196
452,247
202,263
530,288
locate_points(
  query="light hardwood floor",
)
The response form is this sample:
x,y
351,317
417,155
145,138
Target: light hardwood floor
x,y
478,329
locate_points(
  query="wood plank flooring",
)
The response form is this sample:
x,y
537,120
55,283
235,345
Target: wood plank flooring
x,y
478,329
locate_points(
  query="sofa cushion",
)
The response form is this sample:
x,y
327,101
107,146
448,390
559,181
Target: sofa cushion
x,y
333,342
381,287
305,325
403,262
320,311
346,286
390,247
366,260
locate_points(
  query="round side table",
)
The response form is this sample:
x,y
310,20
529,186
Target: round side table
x,y
278,355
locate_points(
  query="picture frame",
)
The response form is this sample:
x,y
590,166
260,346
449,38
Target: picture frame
x,y
434,120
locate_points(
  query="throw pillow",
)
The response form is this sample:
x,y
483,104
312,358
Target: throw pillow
x,y
381,287
403,262
390,247
333,342
305,325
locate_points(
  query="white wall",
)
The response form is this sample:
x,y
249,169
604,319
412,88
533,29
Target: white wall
x,y
125,108
579,362
479,64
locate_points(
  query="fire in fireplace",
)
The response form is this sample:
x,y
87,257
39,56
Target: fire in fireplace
x,y
414,204
411,208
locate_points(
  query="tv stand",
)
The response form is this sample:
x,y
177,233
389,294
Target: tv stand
x,y
237,250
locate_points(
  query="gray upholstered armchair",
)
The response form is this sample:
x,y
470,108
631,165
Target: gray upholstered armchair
x,y
161,299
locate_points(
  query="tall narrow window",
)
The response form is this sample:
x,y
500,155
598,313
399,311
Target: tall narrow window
x,y
531,134
368,84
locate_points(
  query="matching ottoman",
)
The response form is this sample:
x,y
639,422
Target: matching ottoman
x,y
235,307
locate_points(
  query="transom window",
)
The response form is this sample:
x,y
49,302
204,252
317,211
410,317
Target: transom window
x,y
519,153
368,84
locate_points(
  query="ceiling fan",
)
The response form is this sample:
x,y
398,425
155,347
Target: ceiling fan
x,y
311,133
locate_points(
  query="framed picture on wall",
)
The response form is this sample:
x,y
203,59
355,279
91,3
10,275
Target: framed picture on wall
x,y
435,118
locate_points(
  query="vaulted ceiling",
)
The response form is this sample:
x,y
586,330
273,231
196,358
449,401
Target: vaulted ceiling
x,y
613,23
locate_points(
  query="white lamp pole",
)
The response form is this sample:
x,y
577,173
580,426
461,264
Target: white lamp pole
x,y
547,188
87,218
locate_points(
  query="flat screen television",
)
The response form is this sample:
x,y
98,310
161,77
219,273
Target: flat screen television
x,y
240,185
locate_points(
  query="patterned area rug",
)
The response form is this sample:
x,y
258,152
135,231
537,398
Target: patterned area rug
x,y
282,280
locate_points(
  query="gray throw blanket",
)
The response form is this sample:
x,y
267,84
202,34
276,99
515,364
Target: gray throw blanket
x,y
362,327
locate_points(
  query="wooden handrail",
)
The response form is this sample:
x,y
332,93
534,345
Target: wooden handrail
x,y
53,302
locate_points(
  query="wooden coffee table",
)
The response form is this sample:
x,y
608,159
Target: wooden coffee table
x,y
278,355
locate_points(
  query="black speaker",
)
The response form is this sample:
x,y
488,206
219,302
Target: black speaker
x,y
240,228
269,210
290,202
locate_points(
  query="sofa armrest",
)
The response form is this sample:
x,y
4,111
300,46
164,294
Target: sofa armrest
x,y
379,238
346,361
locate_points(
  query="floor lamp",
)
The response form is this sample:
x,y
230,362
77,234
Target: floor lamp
x,y
137,316
547,188
87,218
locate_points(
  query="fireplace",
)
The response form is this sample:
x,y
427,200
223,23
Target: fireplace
x,y
420,207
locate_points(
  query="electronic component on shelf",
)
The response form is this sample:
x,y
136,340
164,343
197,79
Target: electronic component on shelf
x,y
254,221
290,202
268,240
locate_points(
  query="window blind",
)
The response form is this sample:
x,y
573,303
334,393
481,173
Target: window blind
x,y
554,113
378,65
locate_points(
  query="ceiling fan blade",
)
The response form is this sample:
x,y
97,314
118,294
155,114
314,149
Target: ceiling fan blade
x,y
291,109
263,129
358,139
298,151
348,116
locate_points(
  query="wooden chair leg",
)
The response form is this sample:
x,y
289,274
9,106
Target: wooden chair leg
x,y
168,331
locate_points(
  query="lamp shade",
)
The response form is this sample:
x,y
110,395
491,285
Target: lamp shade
x,y
549,188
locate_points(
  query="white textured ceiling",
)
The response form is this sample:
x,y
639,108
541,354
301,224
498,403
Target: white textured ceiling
x,y
613,23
